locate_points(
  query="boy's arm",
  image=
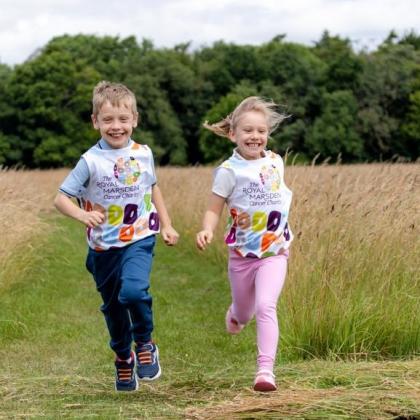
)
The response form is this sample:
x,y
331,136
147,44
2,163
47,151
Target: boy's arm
x,y
210,220
169,234
66,206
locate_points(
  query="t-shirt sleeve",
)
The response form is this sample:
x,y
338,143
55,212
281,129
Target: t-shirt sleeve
x,y
153,177
77,180
152,164
281,167
223,182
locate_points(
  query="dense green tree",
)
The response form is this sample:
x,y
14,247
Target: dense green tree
x,y
7,139
383,96
334,131
411,38
224,65
297,74
5,73
106,54
343,66
411,127
296,70
51,96
363,105
174,72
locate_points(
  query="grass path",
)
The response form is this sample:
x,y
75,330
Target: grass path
x,y
55,362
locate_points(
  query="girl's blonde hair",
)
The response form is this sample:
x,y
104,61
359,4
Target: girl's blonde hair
x,y
115,93
252,103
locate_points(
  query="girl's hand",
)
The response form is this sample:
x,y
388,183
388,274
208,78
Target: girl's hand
x,y
204,238
169,235
92,218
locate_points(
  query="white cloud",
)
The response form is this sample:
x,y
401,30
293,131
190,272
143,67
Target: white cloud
x,y
26,25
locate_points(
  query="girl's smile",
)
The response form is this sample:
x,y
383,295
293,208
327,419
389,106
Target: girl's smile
x,y
250,135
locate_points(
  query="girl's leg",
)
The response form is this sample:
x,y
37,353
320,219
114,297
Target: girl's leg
x,y
241,277
269,282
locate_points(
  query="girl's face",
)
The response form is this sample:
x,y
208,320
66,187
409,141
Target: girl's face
x,y
250,135
115,123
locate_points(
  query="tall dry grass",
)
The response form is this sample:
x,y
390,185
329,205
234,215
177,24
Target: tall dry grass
x,y
353,286
25,196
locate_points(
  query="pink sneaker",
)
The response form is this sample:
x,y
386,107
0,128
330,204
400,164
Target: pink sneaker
x,y
265,381
232,325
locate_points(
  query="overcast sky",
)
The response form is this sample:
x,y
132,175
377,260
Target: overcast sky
x,y
26,25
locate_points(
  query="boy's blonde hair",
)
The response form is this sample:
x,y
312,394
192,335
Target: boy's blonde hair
x,y
252,103
115,93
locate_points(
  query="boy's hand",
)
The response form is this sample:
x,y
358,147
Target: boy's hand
x,y
204,238
92,218
169,235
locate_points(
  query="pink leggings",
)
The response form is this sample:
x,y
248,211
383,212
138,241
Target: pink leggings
x,y
256,285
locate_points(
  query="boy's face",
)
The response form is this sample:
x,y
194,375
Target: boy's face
x,y
115,123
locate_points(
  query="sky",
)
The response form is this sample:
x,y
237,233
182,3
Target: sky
x,y
26,25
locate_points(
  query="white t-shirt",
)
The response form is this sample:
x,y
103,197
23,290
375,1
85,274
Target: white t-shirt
x,y
120,186
258,201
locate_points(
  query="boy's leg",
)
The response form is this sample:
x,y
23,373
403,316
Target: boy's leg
x,y
134,294
104,266
269,282
241,276
136,265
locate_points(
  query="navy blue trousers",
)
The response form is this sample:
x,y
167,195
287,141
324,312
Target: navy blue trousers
x,y
122,278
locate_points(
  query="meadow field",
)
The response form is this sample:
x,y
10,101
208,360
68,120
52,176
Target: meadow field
x,y
349,313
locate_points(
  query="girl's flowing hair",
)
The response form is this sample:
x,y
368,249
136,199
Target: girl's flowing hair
x,y
252,103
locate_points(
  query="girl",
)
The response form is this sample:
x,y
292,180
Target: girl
x,y
251,183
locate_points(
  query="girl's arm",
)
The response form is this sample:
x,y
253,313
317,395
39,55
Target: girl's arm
x,y
169,234
66,206
210,221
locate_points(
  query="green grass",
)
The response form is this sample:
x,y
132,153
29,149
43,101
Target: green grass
x,y
55,360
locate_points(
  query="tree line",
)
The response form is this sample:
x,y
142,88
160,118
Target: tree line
x,y
340,104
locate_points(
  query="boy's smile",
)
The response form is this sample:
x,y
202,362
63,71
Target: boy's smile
x,y
251,135
115,123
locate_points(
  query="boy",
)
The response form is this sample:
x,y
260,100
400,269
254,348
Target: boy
x,y
123,209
